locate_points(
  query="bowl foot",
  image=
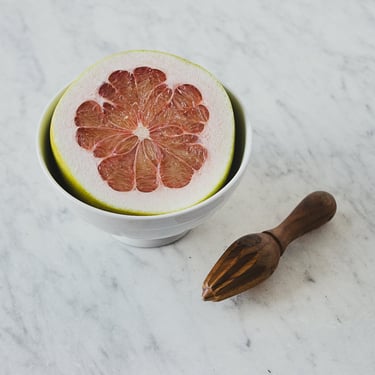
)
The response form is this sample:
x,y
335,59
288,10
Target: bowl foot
x,y
157,242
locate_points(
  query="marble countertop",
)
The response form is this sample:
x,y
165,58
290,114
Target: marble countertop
x,y
73,300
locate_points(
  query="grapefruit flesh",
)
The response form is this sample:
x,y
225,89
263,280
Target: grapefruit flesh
x,y
144,132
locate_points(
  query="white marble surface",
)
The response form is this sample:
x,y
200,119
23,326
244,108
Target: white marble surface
x,y
74,301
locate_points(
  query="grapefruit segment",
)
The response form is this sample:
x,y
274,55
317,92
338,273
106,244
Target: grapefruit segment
x,y
118,171
165,131
146,166
124,82
175,173
107,91
98,138
192,154
116,116
126,144
191,119
121,90
147,79
157,102
186,96
90,114
116,144
153,133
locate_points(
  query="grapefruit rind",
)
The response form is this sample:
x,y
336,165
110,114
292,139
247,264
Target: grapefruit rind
x,y
83,194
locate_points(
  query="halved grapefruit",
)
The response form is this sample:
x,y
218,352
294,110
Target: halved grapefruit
x,y
144,132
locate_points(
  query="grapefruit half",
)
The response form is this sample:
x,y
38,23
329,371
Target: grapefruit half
x,y
143,132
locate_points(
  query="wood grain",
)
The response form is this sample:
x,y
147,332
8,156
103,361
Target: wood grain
x,y
254,257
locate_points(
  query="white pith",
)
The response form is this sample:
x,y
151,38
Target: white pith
x,y
142,132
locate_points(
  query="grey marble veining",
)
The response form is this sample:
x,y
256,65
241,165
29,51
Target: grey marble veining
x,y
73,300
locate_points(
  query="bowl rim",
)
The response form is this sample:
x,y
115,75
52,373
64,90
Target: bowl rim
x,y
47,112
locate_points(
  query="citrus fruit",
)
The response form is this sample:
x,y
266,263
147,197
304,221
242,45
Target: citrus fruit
x,y
143,132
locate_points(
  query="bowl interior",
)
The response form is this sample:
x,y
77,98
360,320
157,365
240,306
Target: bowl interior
x,y
46,155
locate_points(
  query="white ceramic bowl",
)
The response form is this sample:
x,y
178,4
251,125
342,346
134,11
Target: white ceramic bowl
x,y
147,231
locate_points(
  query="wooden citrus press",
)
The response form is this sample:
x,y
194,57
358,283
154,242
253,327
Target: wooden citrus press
x,y
254,257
